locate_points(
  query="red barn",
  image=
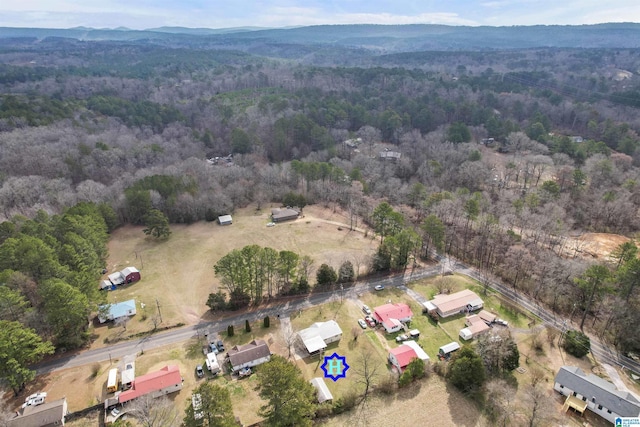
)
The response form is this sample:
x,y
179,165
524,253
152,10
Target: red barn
x,y
130,274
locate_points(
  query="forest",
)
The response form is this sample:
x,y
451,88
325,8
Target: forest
x,y
500,156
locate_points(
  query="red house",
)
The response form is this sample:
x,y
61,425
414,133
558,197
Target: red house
x,y
166,380
130,274
392,316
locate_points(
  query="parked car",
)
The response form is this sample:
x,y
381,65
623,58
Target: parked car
x,y
213,348
115,412
366,309
379,287
244,372
362,324
370,321
220,346
271,224
199,371
34,399
401,338
502,322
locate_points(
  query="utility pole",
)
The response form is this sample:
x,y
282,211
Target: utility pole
x,y
159,314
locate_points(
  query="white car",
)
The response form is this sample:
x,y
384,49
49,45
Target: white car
x,y
271,224
366,309
379,287
115,412
35,399
362,324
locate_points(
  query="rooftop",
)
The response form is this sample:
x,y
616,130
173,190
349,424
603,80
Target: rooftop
x,y
151,382
458,300
606,394
241,354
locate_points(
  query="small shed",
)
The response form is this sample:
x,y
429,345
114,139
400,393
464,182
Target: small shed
x,y
446,350
487,317
130,274
106,285
323,391
116,278
225,220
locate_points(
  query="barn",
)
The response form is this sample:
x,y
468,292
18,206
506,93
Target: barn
x,y
130,274
287,214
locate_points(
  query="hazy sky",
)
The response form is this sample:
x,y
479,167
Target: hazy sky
x,y
140,14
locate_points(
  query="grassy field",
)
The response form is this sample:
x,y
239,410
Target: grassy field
x,y
178,276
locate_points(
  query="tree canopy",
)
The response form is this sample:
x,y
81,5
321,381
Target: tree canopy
x,y
290,398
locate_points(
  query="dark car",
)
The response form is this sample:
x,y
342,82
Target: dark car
x,y
220,346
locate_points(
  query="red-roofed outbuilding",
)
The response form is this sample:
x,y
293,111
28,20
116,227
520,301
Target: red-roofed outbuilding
x,y
401,356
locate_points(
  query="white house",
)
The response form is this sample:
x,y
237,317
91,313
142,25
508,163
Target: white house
x,y
317,336
594,393
247,356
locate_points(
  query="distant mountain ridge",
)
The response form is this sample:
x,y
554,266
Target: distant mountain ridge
x,y
375,39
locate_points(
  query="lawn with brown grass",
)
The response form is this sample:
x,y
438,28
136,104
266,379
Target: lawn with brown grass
x,y
177,274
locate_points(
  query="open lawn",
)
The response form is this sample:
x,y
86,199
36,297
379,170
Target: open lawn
x,y
431,402
177,274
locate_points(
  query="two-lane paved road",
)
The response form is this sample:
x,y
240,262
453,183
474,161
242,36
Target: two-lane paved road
x,y
283,307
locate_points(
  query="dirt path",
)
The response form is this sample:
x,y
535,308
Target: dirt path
x,y
615,378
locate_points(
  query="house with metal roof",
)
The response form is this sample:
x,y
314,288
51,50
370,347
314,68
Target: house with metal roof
x,y
46,415
588,391
317,336
117,311
286,214
392,316
401,356
464,301
249,355
159,383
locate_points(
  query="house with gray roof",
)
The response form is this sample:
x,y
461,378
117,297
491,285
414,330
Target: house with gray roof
x,y
594,393
248,355
45,415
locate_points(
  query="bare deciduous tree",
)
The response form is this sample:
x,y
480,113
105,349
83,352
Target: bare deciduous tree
x,y
158,412
500,402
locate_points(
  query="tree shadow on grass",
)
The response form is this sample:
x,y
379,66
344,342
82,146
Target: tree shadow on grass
x,y
465,409
410,391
